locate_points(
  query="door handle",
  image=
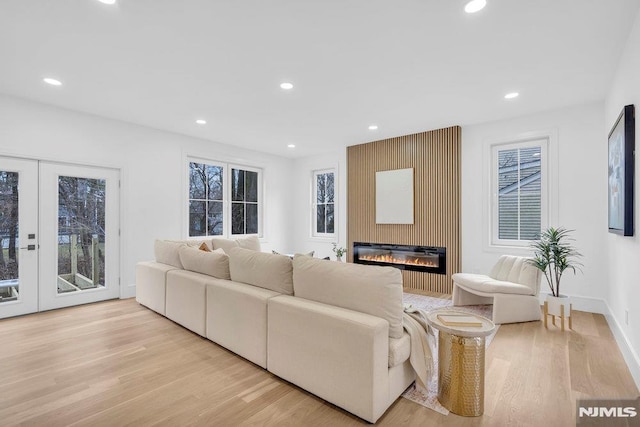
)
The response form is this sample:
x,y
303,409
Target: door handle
x,y
30,247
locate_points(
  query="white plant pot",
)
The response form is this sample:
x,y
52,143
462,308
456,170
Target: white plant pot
x,y
554,304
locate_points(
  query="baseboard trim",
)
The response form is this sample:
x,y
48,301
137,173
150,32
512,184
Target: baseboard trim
x,y
128,291
629,354
594,305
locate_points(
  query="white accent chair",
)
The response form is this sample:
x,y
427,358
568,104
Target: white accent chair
x,y
512,287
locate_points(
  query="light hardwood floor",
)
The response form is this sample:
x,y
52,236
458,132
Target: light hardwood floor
x,y
117,363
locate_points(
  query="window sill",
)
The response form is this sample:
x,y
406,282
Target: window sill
x,y
327,239
510,249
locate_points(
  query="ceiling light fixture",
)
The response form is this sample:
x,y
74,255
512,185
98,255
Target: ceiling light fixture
x,y
201,122
511,95
107,1
291,145
373,127
475,5
286,86
52,82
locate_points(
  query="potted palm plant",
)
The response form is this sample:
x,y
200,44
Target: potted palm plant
x,y
553,255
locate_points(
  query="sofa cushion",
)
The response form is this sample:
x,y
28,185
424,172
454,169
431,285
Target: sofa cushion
x,y
261,269
186,299
237,318
215,263
249,242
151,278
166,252
482,283
399,350
364,288
224,244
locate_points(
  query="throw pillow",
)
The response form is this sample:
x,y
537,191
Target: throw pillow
x,y
203,247
212,263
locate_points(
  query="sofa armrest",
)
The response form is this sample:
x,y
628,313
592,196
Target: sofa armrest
x,y
151,280
337,354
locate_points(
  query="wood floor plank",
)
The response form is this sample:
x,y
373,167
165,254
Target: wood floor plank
x,y
118,363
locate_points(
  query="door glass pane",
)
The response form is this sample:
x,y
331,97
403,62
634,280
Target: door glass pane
x,y
81,233
9,244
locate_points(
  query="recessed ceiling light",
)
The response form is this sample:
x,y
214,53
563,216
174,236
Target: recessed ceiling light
x,y
286,86
52,82
107,1
373,127
511,95
201,122
475,5
291,145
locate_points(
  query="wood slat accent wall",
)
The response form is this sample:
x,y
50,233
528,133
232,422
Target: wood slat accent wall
x,y
435,157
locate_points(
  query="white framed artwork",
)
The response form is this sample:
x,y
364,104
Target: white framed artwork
x,y
394,196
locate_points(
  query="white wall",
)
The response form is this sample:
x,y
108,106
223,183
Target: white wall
x,y
623,292
302,241
579,158
153,174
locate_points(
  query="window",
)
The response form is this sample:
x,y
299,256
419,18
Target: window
x,y
210,186
244,202
520,199
324,203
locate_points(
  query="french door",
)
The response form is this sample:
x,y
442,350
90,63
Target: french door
x,y
59,235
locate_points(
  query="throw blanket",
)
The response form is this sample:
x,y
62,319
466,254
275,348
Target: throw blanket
x,y
422,343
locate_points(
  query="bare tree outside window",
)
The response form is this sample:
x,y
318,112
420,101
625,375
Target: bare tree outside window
x,y
209,186
9,284
81,233
324,189
244,202
206,197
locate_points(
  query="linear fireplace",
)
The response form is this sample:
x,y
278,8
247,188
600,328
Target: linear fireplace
x,y
429,259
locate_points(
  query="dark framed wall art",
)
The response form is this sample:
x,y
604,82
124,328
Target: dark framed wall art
x,y
621,176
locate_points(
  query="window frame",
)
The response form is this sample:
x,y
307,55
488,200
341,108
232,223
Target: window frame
x,y
260,201
314,204
227,167
545,198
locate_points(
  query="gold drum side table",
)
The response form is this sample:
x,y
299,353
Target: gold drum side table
x,y
461,351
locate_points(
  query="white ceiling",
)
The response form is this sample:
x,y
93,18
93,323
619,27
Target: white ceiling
x,y
405,65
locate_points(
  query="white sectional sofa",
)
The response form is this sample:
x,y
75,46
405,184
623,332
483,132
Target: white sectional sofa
x,y
334,329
